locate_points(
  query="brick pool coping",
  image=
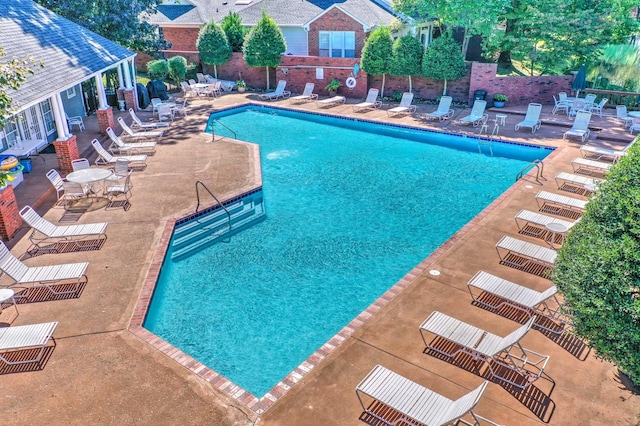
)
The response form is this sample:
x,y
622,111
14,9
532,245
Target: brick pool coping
x,y
260,405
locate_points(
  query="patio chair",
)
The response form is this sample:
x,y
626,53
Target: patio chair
x,y
278,93
119,188
71,274
549,202
217,89
200,77
139,135
477,112
405,106
506,294
532,118
104,158
621,114
192,82
560,105
599,153
335,100
589,167
26,339
535,224
505,357
57,181
577,106
307,95
187,91
45,235
118,146
393,399
444,111
580,126
155,103
79,164
73,192
139,123
371,102
589,100
165,113
181,108
576,184
597,108
526,256
635,125
76,120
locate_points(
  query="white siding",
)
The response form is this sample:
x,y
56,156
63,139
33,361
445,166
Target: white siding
x,y
296,38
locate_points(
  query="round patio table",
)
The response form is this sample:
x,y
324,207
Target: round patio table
x,y
89,177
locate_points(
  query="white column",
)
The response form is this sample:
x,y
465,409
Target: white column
x,y
60,118
102,96
127,74
133,80
120,78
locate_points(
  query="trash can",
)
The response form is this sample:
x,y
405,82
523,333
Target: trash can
x,y
26,163
480,95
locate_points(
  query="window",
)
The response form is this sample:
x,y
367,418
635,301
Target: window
x,y
337,44
9,134
47,114
71,92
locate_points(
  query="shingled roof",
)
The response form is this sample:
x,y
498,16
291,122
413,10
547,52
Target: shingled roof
x,y
195,12
70,53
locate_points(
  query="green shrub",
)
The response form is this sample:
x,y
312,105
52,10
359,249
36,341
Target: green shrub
x,y
177,68
598,268
158,69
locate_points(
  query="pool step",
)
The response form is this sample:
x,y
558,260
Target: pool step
x,y
213,227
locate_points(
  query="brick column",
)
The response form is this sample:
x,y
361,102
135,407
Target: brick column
x,y
10,220
67,151
129,99
105,119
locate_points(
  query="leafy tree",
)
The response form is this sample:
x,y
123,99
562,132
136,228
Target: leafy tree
x,y
213,45
598,268
264,44
158,69
118,20
235,31
406,58
376,54
177,68
13,73
443,60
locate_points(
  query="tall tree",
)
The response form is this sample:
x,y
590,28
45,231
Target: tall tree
x,y
443,60
376,54
13,73
264,44
213,45
235,31
407,57
118,20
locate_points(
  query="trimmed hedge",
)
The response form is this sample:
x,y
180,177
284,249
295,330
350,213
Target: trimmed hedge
x,y
598,268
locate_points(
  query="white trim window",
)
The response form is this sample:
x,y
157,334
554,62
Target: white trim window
x,y
47,115
71,92
9,134
337,44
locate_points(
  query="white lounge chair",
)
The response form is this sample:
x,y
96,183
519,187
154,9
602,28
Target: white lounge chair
x,y
532,118
335,100
371,102
118,146
393,399
278,93
444,111
599,153
511,295
104,158
580,126
536,224
46,236
481,345
589,167
576,184
526,256
139,123
72,274
477,113
560,205
139,135
307,95
23,337
621,114
405,106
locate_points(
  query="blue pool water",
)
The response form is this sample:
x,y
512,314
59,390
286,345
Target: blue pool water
x,y
350,210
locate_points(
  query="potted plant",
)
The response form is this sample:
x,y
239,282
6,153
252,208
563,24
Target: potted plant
x,y
241,85
333,86
499,99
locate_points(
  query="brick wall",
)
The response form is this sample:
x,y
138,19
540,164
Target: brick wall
x,y
105,119
255,77
520,90
66,152
10,220
182,39
335,20
302,70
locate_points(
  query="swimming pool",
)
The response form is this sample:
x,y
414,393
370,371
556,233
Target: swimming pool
x,y
348,213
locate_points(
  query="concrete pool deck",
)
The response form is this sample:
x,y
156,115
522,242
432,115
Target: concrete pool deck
x,y
101,373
